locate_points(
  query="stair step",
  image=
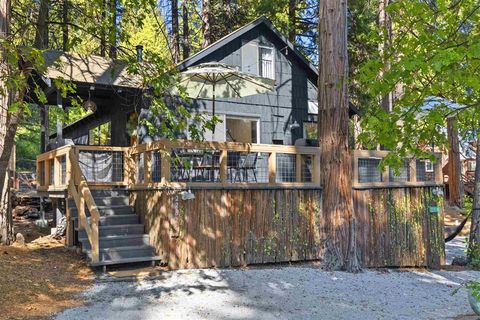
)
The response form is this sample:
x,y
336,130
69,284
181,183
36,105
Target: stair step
x,y
97,193
116,230
118,253
112,201
108,210
125,261
115,220
118,241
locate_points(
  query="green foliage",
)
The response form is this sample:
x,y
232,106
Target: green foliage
x,y
432,60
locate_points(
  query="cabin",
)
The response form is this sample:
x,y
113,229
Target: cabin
x,y
248,194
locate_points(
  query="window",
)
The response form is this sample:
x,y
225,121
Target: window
x,y
428,166
471,165
101,135
266,64
242,130
233,128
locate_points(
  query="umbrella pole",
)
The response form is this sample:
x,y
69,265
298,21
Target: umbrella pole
x,y
213,108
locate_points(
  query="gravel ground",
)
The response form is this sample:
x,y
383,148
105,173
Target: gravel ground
x,y
455,248
288,292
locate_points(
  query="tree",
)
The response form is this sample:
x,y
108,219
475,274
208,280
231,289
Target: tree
x,y
185,30
436,57
336,168
206,24
175,33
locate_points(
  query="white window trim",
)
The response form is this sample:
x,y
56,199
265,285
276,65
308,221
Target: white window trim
x,y
264,46
238,117
427,163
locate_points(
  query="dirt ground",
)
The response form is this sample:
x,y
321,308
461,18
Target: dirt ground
x,y
41,277
453,218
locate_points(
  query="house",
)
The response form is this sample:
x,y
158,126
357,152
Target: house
x,y
281,117
249,194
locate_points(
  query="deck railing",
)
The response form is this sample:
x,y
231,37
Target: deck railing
x,y
413,173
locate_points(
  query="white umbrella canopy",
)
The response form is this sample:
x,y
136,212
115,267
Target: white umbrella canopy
x,y
211,80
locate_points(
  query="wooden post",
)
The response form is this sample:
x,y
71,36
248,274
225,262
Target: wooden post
x,y
316,169
272,168
147,167
298,167
223,165
165,160
47,172
413,170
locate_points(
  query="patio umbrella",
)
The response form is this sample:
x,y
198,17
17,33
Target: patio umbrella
x,y
212,80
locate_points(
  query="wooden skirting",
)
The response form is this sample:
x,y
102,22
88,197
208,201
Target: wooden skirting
x,y
224,228
395,228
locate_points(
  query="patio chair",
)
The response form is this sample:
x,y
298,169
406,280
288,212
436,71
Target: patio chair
x,y
247,162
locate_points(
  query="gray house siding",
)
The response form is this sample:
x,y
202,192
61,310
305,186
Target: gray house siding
x,y
288,102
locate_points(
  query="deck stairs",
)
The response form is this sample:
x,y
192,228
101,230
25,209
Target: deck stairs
x,y
122,238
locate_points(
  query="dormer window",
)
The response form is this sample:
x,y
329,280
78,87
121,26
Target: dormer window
x,y
266,64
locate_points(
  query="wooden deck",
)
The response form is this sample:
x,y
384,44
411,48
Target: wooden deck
x,y
263,212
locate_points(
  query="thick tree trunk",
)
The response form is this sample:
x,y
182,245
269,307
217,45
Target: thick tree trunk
x,y
455,184
186,30
65,6
175,32
292,19
6,140
474,242
335,175
206,24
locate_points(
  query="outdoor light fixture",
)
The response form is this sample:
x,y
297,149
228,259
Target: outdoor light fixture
x,y
187,195
294,125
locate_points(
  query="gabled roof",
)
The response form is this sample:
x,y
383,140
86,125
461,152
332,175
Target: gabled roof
x,y
89,69
262,21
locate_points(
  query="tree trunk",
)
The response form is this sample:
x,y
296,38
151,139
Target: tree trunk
x,y
186,30
41,34
175,33
385,26
113,30
455,184
65,25
6,232
206,24
103,36
292,18
474,242
335,157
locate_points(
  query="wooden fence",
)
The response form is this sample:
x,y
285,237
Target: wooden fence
x,y
238,219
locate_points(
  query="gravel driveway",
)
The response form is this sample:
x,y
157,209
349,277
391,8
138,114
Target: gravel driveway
x,y
288,292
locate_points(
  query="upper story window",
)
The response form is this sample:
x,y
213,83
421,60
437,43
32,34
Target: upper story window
x,y
471,165
266,63
428,166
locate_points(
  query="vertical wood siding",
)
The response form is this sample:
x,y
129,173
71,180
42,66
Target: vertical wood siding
x,y
223,228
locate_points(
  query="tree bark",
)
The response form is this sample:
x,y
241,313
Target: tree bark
x,y
65,25
113,30
455,184
474,241
6,228
335,157
206,24
385,27
41,34
292,19
175,32
186,30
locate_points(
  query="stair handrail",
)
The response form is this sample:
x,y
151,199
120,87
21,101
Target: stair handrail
x,y
81,194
